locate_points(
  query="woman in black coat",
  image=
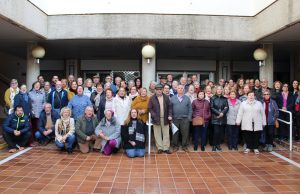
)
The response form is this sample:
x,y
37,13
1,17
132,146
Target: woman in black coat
x,y
134,135
219,108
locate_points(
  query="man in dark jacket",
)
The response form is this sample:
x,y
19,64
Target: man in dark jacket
x,y
46,124
58,98
160,108
85,131
16,130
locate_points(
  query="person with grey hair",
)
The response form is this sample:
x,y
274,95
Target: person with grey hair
x,y
182,115
46,89
184,81
173,90
46,124
151,90
10,94
85,130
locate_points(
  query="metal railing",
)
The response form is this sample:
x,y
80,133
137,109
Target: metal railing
x,y
149,123
290,123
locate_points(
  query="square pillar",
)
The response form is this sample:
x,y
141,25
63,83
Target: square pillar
x,y
266,71
32,68
148,70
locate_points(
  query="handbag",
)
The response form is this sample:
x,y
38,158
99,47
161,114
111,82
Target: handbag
x,y
199,120
297,107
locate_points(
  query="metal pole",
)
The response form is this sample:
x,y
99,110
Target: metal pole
x,y
291,132
149,134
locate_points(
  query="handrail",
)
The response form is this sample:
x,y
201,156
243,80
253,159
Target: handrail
x,y
290,123
149,123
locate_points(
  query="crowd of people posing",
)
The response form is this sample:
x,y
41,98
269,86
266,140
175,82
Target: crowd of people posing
x,y
105,117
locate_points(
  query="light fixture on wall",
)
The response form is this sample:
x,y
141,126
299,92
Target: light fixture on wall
x,y
148,52
38,52
260,55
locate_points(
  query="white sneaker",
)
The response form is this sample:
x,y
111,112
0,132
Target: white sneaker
x,y
256,151
246,151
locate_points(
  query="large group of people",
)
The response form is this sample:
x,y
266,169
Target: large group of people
x,y
105,117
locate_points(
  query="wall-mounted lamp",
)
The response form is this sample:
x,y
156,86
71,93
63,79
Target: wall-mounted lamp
x,y
38,52
260,55
148,52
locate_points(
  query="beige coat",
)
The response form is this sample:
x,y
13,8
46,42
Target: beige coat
x,y
249,113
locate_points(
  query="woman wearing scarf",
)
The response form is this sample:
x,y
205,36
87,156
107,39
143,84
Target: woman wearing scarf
x,y
251,116
64,131
271,112
110,132
134,135
89,88
10,94
96,97
133,93
141,105
232,128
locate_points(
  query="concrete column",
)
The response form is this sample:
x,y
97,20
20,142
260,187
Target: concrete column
x,y
148,71
266,70
32,69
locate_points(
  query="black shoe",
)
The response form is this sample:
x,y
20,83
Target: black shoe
x,y
214,149
195,148
62,149
202,148
236,148
70,151
219,148
168,152
229,147
160,151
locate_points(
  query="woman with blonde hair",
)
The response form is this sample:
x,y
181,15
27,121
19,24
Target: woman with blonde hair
x,y
88,87
134,135
64,130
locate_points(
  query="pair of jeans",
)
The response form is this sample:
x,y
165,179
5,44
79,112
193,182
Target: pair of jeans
x,y
70,141
41,137
200,131
13,140
131,153
232,135
268,134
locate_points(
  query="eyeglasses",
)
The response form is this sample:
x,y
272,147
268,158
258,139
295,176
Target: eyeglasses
x,y
266,94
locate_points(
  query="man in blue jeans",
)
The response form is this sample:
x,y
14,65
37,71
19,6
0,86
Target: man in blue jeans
x,y
46,124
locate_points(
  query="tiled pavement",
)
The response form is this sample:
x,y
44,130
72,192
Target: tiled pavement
x,y
46,170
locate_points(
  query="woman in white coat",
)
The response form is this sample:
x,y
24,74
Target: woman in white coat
x,y
252,117
121,106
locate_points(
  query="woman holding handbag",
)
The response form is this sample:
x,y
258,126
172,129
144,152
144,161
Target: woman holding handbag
x,y
201,117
